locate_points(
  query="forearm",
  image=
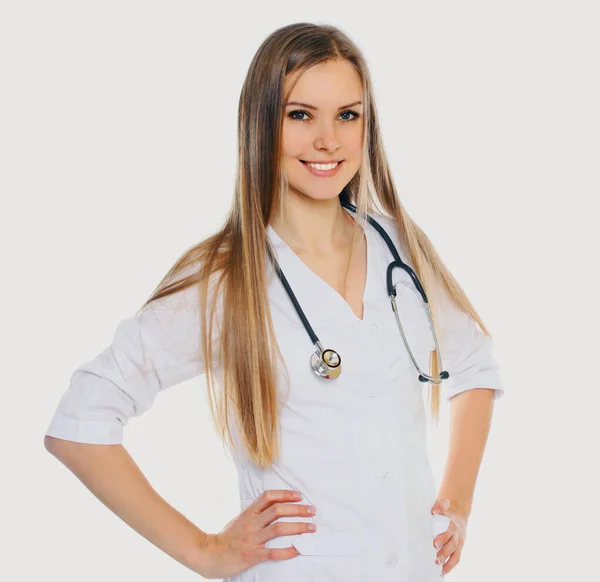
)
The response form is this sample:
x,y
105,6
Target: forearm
x,y
112,475
470,420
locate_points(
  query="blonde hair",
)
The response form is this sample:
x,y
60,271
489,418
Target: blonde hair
x,y
233,260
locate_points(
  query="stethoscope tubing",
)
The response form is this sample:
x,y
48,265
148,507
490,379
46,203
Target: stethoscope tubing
x,y
317,362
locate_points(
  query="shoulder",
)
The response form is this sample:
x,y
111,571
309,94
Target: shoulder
x,y
183,298
388,223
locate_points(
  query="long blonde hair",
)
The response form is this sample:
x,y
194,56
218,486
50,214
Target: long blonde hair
x,y
229,266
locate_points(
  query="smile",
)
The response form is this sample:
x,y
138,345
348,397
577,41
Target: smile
x,y
323,170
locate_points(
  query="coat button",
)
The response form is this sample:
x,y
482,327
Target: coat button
x,y
392,561
371,395
386,475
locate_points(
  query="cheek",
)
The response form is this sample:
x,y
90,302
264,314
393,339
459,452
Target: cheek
x,y
353,143
293,169
295,141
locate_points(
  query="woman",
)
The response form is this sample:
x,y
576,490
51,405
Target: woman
x,y
352,442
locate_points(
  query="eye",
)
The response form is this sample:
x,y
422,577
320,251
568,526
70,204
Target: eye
x,y
354,113
293,114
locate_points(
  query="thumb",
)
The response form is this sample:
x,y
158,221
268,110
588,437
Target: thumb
x,y
440,506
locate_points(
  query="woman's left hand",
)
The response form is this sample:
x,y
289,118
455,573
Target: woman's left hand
x,y
450,543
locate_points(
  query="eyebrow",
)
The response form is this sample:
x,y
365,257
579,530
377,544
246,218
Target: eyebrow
x,y
309,106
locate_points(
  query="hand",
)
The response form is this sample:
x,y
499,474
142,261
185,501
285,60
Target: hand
x,y
450,543
241,543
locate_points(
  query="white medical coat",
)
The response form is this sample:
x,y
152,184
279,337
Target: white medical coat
x,y
354,446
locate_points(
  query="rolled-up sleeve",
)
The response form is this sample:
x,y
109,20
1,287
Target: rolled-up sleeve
x,y
149,352
467,352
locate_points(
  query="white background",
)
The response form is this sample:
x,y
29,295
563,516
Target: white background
x,y
118,141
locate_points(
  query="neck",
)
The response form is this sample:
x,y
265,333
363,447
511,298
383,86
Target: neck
x,y
314,226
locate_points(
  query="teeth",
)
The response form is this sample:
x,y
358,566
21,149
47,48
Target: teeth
x,y
323,166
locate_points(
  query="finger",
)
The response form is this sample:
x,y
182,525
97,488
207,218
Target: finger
x,y
452,561
447,549
283,528
270,496
277,553
283,510
441,539
457,526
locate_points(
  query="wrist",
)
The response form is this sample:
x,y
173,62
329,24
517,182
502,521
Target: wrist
x,y
459,506
197,553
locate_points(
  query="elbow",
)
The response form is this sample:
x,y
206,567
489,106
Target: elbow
x,y
53,444
49,443
70,449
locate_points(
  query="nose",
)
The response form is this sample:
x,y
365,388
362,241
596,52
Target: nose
x,y
326,138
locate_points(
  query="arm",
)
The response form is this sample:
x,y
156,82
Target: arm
x,y
149,352
471,390
470,420
112,475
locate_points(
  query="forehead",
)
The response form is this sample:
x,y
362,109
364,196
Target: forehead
x,y
332,82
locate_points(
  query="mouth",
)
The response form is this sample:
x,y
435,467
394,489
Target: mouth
x,y
324,170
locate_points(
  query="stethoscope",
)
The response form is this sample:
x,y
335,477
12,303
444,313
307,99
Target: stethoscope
x,y
327,363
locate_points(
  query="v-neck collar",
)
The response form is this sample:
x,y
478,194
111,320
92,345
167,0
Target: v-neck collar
x,y
317,298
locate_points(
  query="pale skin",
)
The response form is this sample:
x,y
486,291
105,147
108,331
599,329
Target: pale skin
x,y
316,227
470,421
319,231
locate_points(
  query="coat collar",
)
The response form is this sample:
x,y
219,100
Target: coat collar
x,y
322,305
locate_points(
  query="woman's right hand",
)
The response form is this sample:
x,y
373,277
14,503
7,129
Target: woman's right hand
x,y
241,543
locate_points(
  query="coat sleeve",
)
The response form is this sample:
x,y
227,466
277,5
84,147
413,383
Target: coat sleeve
x,y
150,352
467,353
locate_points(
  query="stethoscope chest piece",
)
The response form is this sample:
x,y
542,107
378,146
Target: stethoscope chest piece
x,y
326,364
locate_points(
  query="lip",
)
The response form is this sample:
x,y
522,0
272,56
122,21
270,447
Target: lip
x,y
323,173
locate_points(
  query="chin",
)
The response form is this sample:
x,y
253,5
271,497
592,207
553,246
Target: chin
x,y
316,195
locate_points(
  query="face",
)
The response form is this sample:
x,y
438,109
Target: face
x,y
327,127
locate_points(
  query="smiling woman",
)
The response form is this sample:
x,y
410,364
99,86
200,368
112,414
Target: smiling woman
x,y
326,136
310,148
